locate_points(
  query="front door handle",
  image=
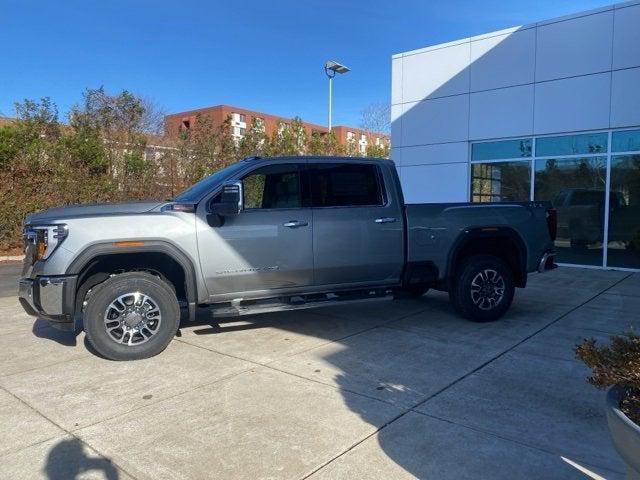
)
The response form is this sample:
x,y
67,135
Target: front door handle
x,y
385,220
295,224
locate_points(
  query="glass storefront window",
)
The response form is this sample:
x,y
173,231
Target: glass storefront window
x,y
625,141
623,247
570,171
576,189
500,181
572,145
520,148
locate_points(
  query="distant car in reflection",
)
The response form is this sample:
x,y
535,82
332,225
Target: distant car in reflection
x,y
581,217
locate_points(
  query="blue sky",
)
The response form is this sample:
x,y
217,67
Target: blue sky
x,y
264,55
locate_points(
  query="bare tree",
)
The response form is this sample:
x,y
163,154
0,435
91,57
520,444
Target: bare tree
x,y
152,120
376,118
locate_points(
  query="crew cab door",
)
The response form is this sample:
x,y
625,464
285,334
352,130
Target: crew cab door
x,y
357,224
268,245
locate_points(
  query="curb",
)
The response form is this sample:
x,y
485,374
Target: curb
x,y
11,258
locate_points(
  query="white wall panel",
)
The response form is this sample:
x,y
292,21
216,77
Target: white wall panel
x,y
626,37
625,98
503,60
506,112
574,47
436,73
396,125
580,103
396,156
438,153
396,80
435,121
435,183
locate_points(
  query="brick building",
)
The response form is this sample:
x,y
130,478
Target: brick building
x,y
241,121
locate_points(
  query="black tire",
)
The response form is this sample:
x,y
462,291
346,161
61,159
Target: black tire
x,y
162,325
411,292
482,307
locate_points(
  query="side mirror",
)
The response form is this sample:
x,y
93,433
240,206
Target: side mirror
x,y
231,200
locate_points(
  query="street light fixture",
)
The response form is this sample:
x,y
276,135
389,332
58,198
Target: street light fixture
x,y
331,68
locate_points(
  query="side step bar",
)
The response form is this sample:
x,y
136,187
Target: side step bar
x,y
241,307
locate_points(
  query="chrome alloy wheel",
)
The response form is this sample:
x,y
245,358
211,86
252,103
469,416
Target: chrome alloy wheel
x,y
132,318
487,289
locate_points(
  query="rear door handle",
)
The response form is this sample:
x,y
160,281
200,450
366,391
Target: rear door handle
x,y
295,224
385,220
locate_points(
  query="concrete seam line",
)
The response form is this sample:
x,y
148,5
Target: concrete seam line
x,y
354,445
508,439
54,364
382,324
480,367
160,400
412,409
213,350
271,367
24,402
340,389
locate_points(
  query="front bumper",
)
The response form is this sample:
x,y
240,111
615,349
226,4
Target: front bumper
x,y
50,298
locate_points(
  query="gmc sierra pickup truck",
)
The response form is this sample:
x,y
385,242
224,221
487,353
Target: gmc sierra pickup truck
x,y
269,234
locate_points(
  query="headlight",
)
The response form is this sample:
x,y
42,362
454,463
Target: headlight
x,y
46,239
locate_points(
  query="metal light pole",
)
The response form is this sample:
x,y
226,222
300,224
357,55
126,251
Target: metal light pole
x,y
331,68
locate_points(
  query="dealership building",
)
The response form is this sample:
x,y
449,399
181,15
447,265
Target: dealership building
x,y
547,111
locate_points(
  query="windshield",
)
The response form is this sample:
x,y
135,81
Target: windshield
x,y
199,189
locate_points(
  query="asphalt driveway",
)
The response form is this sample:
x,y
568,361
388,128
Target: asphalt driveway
x,y
383,390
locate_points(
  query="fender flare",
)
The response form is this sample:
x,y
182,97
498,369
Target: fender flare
x,y
470,234
84,258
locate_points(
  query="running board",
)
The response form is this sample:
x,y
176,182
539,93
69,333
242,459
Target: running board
x,y
242,307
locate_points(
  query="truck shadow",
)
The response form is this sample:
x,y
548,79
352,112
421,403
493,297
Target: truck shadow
x,y
42,329
343,358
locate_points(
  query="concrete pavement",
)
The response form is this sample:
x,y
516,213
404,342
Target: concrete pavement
x,y
402,389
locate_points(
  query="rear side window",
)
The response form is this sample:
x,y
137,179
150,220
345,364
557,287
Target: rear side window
x,y
345,185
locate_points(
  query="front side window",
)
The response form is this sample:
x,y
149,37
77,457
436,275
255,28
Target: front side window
x,y
345,185
273,186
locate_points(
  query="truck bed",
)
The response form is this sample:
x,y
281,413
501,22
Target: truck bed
x,y
433,228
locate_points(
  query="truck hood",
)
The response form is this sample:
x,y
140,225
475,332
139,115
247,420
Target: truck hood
x,y
91,210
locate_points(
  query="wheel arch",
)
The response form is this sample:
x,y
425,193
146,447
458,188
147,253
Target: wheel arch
x,y
502,242
133,256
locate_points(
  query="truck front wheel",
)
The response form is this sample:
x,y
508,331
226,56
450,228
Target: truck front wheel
x,y
131,316
483,289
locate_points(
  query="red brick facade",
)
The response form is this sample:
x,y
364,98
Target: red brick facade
x,y
242,118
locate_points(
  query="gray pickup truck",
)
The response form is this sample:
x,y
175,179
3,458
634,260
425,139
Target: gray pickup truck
x,y
269,234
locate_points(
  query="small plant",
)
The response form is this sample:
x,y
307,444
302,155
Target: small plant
x,y
616,364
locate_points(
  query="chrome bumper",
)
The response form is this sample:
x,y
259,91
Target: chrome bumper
x,y
546,262
51,298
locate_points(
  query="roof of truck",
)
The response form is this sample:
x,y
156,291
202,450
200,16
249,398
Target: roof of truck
x,y
315,157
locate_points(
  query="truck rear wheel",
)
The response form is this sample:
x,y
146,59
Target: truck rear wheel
x,y
484,288
131,316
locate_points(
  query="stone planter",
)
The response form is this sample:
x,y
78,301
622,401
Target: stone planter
x,y
624,433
